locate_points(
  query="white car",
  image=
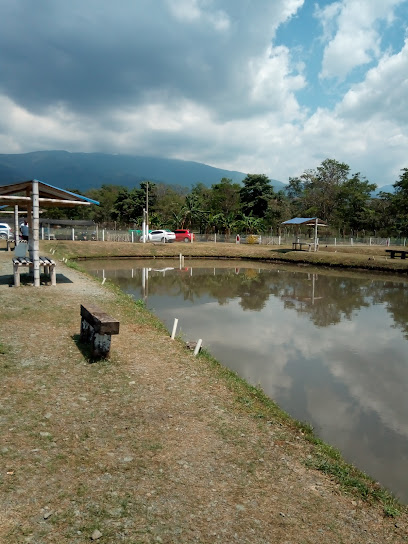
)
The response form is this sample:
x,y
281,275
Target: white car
x,y
5,231
160,236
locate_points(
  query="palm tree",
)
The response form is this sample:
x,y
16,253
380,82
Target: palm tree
x,y
192,212
250,224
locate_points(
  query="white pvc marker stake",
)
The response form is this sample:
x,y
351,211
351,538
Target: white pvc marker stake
x,y
103,281
173,334
198,346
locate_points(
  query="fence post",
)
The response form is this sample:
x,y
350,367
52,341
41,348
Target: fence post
x,y
405,241
73,233
279,240
335,241
173,334
351,241
133,239
370,240
103,235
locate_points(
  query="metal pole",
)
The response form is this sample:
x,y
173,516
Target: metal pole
x,y
16,226
147,208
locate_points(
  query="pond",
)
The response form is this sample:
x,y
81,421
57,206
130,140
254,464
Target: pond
x,y
330,348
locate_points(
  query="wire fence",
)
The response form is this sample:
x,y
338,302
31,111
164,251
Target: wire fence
x,y
111,235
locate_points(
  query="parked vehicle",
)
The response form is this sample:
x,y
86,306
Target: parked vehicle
x,y
5,231
160,236
184,235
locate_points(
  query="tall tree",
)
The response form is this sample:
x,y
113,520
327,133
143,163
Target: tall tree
x,y
255,194
322,187
400,203
353,204
225,197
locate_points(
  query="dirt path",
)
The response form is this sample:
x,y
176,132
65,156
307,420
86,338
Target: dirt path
x,y
152,446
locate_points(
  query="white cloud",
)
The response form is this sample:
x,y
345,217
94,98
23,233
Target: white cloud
x,y
193,11
273,84
357,40
383,94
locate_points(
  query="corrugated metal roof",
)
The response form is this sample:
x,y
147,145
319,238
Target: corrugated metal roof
x,y
50,195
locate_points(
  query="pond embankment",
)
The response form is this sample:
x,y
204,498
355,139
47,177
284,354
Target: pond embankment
x,y
155,445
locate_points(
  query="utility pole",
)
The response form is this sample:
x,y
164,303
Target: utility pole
x,y
147,208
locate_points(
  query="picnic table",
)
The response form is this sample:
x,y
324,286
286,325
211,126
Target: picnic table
x,y
402,253
298,246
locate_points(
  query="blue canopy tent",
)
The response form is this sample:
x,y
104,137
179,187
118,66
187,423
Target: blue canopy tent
x,y
310,222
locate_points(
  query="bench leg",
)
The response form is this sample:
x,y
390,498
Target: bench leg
x,y
100,343
16,275
53,275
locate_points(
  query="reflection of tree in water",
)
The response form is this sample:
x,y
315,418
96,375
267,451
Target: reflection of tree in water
x,y
326,299
395,297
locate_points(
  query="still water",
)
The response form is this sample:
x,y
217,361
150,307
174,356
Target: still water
x,y
331,349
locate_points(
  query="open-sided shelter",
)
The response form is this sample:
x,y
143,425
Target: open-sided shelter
x,y
307,221
31,195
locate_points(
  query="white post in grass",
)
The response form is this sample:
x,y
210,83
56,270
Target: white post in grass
x,y
173,334
73,233
198,346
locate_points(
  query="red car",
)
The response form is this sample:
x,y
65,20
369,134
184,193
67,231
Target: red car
x,y
184,235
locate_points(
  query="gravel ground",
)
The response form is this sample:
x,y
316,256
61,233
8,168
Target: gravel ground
x,y
150,446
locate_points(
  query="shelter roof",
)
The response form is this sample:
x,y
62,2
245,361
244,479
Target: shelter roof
x,y
305,221
49,196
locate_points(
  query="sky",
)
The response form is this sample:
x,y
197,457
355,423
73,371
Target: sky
x,y
259,86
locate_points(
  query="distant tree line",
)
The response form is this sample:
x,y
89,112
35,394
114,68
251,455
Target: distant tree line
x,y
330,192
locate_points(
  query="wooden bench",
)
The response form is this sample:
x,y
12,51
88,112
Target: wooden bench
x,y
96,330
397,253
47,264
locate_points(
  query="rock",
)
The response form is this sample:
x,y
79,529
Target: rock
x,y
48,514
96,534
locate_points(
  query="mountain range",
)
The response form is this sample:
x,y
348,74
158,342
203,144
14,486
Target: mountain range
x,y
84,171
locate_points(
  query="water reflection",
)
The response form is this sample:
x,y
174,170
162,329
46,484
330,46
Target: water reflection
x,y
329,348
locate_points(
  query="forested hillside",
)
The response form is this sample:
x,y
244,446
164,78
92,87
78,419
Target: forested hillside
x,y
85,171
